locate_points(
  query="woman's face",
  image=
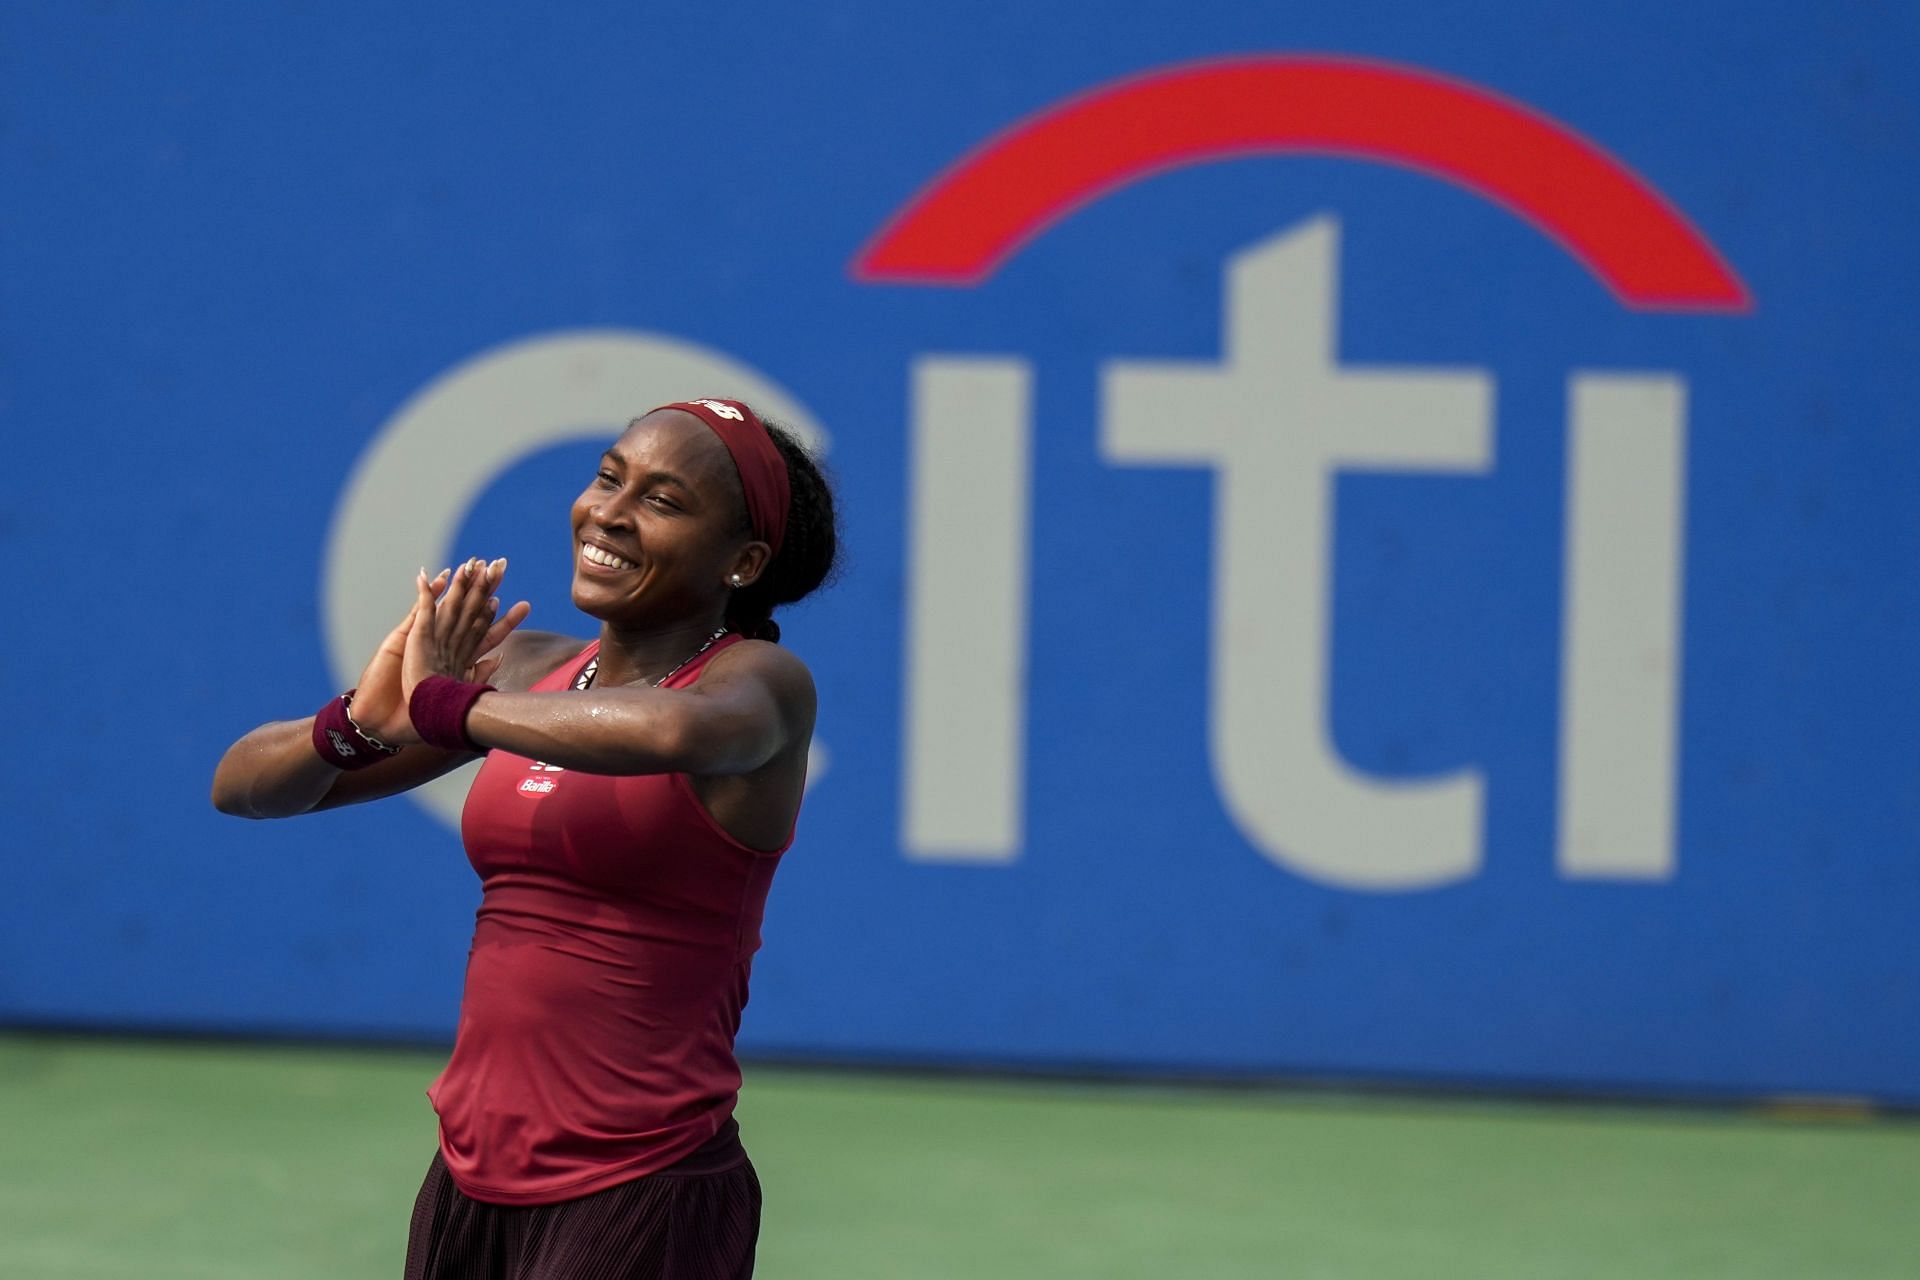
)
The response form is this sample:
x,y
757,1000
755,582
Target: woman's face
x,y
660,528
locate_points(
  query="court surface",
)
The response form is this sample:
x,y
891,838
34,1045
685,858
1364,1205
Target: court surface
x,y
160,1159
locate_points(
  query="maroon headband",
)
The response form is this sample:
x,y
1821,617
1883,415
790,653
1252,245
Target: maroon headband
x,y
762,468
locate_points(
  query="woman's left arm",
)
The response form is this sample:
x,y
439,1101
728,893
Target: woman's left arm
x,y
753,701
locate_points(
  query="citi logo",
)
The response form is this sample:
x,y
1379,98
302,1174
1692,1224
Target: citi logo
x,y
1276,419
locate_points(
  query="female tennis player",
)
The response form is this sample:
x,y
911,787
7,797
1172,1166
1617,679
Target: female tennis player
x,y
636,795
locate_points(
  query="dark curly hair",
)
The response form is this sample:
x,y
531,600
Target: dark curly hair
x,y
808,552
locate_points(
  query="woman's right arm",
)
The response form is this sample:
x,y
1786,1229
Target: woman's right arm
x,y
274,771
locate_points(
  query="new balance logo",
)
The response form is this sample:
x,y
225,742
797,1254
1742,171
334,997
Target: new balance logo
x,y
724,409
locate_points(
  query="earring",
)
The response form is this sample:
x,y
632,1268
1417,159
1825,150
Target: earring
x,y
735,580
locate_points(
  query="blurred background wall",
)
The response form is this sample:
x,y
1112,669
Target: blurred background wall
x,y
1381,538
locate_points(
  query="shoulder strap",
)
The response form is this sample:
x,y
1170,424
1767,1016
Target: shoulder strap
x,y
567,674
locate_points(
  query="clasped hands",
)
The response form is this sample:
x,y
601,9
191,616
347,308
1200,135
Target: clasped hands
x,y
453,629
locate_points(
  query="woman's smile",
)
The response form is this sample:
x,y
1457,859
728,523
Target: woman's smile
x,y
599,560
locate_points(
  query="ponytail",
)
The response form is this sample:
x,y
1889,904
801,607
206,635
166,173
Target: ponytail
x,y
808,552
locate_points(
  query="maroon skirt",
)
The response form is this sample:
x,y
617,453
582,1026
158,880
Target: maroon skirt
x,y
698,1220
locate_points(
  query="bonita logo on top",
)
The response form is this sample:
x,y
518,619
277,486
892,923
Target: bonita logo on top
x,y
1288,791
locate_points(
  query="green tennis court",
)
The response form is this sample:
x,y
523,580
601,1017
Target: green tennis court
x,y
163,1159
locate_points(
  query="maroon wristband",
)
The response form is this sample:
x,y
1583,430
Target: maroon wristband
x,y
439,707
338,739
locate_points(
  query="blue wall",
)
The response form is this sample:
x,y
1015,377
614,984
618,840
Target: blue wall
x,y
245,246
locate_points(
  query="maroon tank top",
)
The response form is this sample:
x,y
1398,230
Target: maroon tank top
x,y
609,968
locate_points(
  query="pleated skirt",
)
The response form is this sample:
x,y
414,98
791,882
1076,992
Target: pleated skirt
x,y
664,1226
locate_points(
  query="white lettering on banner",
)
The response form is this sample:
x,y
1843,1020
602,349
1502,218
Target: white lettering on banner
x,y
427,464
1620,653
966,661
1277,418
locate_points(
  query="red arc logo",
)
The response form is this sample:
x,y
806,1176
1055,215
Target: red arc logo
x,y
971,219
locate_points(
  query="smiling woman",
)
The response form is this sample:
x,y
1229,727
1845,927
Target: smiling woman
x,y
636,795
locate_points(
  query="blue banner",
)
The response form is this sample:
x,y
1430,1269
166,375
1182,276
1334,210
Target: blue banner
x,y
1378,546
